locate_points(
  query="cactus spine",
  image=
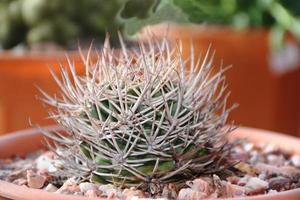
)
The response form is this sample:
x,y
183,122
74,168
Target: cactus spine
x,y
141,118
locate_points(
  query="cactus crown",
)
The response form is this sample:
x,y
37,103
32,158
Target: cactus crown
x,y
143,117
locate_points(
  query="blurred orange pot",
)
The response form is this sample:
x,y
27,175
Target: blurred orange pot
x,y
268,96
18,95
13,144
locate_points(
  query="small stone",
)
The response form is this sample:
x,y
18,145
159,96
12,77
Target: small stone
x,y
295,160
155,199
232,190
262,176
45,163
254,156
169,191
286,162
275,160
20,181
296,185
34,180
79,193
248,146
243,156
201,185
246,168
289,171
64,191
86,186
111,195
92,193
272,159
225,189
50,188
270,149
189,194
256,186
4,173
218,183
272,192
6,161
279,183
108,190
243,181
239,153
233,179
130,193
266,168
238,150
70,181
50,154
70,186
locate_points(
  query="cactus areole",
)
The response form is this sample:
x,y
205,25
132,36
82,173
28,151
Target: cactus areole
x,y
143,117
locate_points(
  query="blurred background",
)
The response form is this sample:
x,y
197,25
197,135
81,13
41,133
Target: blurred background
x,y
260,38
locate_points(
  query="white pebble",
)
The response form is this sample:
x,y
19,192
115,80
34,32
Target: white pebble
x,y
107,189
262,176
271,158
254,156
51,188
269,148
272,191
132,193
70,182
45,163
92,193
255,183
248,147
295,160
84,187
184,193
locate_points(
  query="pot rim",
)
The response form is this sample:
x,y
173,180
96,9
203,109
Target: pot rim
x,y
194,30
257,136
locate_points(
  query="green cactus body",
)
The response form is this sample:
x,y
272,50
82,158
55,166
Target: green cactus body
x,y
142,118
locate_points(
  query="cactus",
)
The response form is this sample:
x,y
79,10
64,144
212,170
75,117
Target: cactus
x,y
142,118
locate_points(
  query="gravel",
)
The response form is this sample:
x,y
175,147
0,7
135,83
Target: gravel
x,y
263,169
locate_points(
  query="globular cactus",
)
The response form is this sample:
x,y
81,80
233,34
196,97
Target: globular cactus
x,y
141,118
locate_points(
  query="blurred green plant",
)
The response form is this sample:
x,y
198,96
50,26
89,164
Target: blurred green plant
x,y
281,16
60,21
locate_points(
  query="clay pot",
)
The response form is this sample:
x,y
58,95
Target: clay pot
x,y
19,76
23,142
268,97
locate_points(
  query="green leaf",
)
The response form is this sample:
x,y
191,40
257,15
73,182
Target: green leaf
x,y
276,37
281,15
165,11
240,21
138,8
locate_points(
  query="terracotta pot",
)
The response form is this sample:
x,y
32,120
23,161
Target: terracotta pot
x,y
268,99
19,74
13,144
